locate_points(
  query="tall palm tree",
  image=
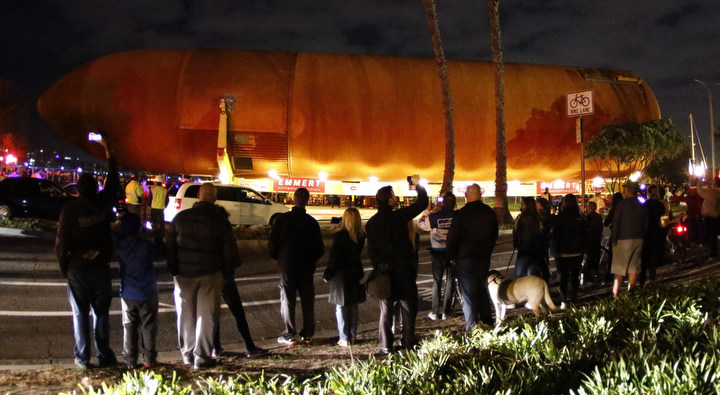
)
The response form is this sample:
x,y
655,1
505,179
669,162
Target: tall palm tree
x,y
441,64
501,201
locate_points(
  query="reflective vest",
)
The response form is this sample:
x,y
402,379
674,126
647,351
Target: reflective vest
x,y
159,194
134,192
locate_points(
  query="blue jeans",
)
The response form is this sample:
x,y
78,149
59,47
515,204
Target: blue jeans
x,y
347,320
91,290
476,301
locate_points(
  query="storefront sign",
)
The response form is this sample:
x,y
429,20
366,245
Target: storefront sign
x,y
558,187
292,184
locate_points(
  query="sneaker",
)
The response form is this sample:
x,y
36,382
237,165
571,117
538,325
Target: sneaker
x,y
80,365
444,317
306,340
385,350
150,365
216,352
288,341
432,316
253,352
342,343
205,365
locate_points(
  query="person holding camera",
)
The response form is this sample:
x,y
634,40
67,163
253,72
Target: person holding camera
x,y
391,252
438,224
84,246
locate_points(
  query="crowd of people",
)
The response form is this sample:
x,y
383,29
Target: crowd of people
x,y
202,255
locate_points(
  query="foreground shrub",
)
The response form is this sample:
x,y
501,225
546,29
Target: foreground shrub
x,y
655,340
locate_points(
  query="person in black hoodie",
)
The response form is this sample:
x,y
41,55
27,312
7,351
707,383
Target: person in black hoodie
x,y
547,219
391,252
84,247
528,240
571,241
296,243
344,272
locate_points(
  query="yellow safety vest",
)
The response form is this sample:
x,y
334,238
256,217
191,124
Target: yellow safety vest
x,y
159,193
134,192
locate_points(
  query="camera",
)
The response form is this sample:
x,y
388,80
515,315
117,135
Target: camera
x,y
92,136
409,180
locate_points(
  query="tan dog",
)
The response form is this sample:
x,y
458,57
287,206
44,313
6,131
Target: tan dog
x,y
530,289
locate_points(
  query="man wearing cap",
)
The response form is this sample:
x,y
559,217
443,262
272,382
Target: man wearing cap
x,y
629,227
138,291
84,247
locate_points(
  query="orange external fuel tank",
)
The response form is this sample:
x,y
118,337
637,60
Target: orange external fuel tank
x,y
351,116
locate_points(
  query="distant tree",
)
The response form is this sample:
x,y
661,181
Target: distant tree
x,y
441,64
621,150
670,171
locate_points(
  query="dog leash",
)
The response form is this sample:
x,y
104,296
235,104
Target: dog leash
x,y
508,265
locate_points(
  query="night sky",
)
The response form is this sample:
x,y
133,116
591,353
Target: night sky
x,y
667,43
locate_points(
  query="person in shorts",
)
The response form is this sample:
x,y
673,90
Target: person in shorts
x,y
630,223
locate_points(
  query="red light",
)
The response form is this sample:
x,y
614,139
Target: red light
x,y
177,204
680,229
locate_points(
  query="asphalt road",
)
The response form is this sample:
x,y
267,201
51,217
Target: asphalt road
x,y
36,325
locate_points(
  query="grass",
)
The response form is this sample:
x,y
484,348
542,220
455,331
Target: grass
x,y
658,339
25,224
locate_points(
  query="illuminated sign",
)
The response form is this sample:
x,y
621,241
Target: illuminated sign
x,y
558,187
292,184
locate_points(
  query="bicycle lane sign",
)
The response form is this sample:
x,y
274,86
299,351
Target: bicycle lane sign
x,y
580,103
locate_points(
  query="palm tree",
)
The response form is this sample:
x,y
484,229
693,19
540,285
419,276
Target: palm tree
x,y
501,201
441,64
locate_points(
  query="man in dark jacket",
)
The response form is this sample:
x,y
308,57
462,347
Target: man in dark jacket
x,y
201,251
571,241
296,243
595,235
84,246
391,251
654,244
471,241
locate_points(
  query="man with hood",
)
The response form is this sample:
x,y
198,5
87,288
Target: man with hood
x,y
84,247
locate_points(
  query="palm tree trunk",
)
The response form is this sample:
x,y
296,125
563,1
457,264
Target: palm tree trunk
x,y
501,201
441,64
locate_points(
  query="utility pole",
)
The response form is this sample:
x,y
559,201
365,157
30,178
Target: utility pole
x,y
712,123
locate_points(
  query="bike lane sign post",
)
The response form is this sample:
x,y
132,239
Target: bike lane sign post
x,y
578,104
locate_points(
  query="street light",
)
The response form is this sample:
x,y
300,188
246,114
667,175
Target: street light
x,y
712,124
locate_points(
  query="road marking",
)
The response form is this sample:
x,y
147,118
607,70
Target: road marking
x,y
167,308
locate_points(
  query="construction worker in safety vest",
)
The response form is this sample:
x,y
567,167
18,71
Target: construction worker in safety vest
x,y
157,209
134,194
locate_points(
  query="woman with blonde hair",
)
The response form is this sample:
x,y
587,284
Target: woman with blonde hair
x,y
344,272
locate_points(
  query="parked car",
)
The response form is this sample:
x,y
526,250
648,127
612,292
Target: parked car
x,y
31,197
71,189
245,206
